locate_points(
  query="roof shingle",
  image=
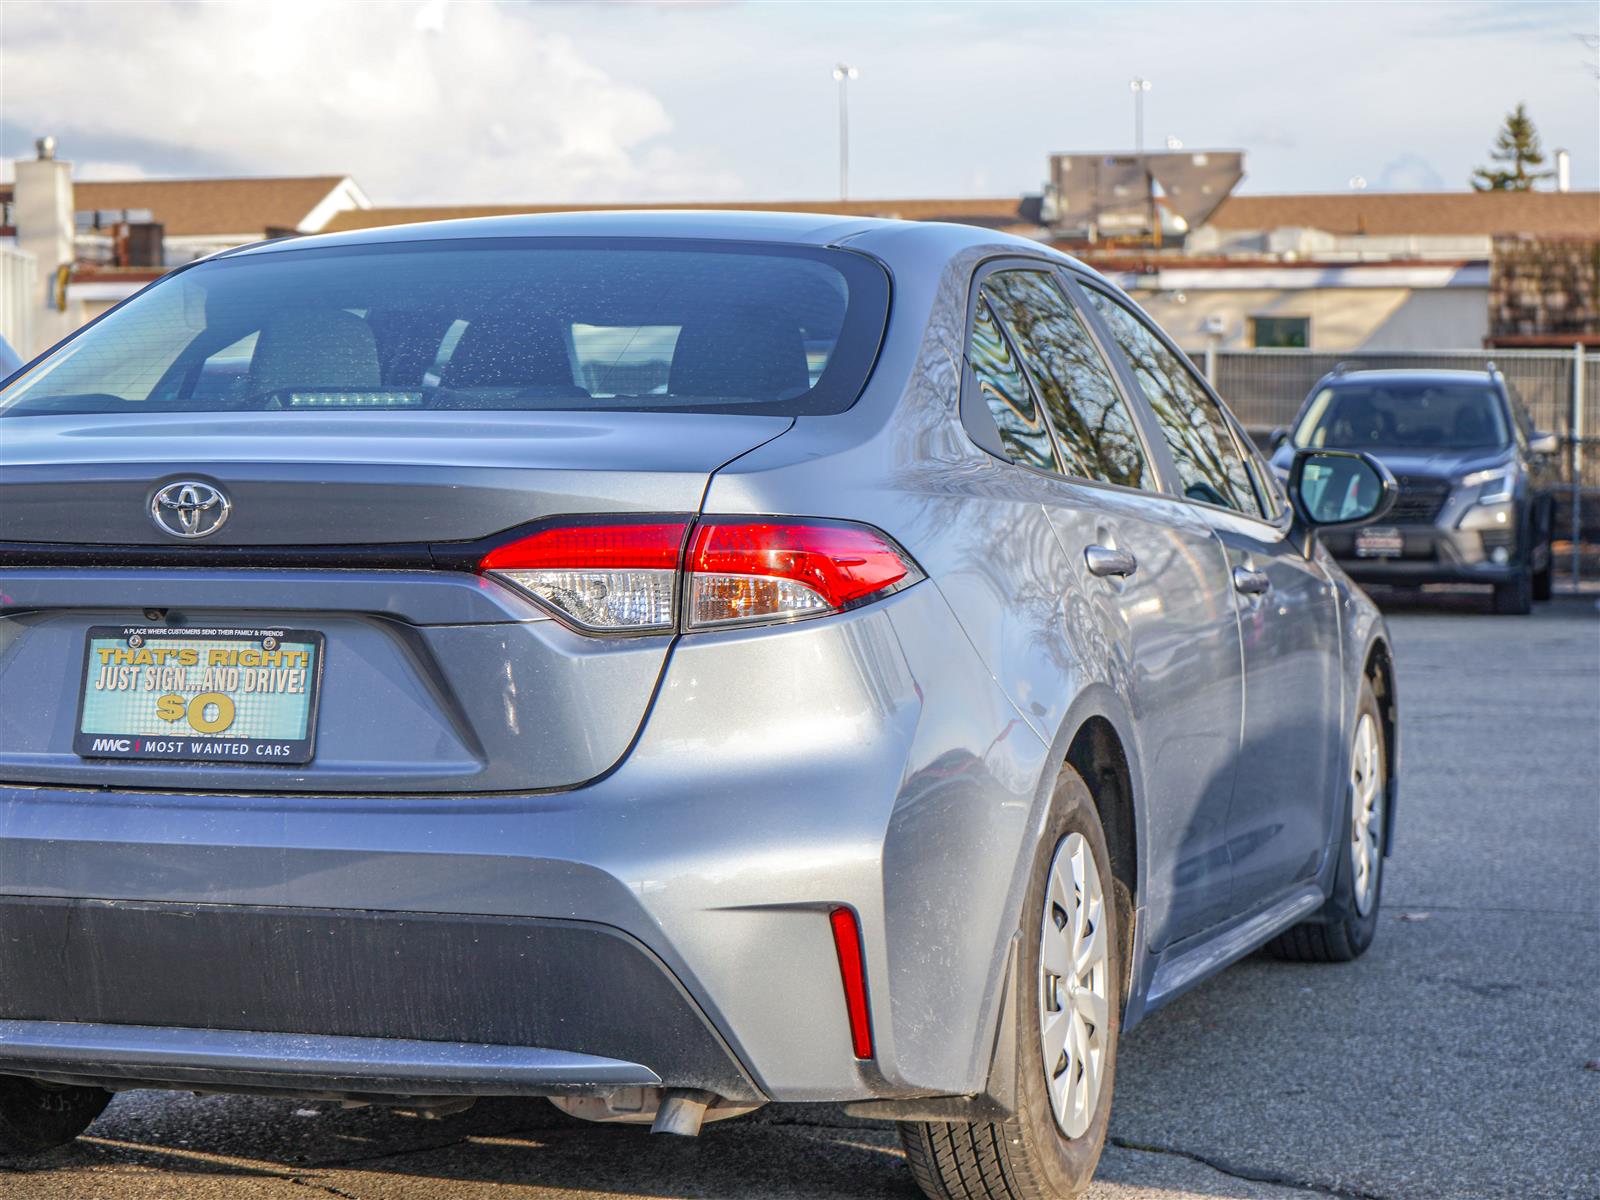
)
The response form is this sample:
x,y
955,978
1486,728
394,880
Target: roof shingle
x,y
1417,214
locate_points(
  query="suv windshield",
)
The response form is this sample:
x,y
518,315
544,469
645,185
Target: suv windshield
x,y
1405,416
505,323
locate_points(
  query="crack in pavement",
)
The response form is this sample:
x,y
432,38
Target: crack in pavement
x,y
301,1181
1223,1167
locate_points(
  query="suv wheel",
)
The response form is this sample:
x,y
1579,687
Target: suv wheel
x,y
1543,578
1069,1014
1344,927
35,1117
1515,596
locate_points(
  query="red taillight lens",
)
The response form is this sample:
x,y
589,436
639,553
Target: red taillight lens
x,y
853,974
747,571
610,576
606,577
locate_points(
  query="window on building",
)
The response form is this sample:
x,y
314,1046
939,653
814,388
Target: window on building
x,y
1280,333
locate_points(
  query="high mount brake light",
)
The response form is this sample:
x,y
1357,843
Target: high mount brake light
x,y
608,576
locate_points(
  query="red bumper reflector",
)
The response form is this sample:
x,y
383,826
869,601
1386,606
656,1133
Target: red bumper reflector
x,y
852,970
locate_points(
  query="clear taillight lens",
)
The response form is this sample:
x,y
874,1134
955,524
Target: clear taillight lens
x,y
605,577
743,571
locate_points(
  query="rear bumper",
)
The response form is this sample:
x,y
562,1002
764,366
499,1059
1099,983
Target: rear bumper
x,y
672,914
298,1064
391,1002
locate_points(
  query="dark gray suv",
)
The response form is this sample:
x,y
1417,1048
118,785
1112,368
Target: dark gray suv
x,y
1475,503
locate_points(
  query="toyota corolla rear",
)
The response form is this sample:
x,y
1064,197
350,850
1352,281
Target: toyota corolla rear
x,y
381,712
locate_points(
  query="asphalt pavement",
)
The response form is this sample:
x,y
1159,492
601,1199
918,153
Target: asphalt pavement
x,y
1458,1060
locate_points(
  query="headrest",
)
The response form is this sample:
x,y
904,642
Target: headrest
x,y
748,354
317,349
510,352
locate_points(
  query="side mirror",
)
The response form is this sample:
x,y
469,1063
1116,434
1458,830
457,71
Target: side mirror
x,y
1333,488
1544,443
1276,438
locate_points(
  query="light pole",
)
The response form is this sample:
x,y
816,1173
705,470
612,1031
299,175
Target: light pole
x,y
844,73
1139,87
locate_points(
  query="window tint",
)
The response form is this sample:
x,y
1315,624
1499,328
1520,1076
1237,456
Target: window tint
x,y
1210,467
1093,428
1005,390
516,323
1404,416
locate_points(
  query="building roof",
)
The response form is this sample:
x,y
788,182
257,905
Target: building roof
x,y
189,207
1004,213
1417,214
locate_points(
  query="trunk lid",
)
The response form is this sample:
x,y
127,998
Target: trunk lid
x,y
432,681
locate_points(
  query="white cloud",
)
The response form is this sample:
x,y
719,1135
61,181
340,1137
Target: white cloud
x,y
419,101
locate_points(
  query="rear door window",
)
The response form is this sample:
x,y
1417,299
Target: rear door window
x,y
1008,395
1094,429
1211,467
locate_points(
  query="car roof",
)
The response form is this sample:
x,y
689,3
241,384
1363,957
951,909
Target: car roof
x,y
879,236
1404,375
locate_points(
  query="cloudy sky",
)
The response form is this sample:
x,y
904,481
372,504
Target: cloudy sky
x,y
477,100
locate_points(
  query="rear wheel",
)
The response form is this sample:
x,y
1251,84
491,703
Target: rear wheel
x,y
1068,1016
1344,927
35,1117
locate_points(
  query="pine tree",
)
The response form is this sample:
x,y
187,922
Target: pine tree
x,y
1517,144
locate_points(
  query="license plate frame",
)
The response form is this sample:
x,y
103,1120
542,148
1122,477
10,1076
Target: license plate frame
x,y
139,731
1380,541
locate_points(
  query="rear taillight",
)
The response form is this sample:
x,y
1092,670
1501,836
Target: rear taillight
x,y
742,571
607,576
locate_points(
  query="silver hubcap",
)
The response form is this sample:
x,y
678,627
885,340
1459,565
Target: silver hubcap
x,y
1366,820
1074,986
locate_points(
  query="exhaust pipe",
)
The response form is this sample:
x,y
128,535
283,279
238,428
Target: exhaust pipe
x,y
682,1112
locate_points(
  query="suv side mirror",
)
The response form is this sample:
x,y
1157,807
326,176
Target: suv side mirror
x,y
1276,438
1333,488
1544,443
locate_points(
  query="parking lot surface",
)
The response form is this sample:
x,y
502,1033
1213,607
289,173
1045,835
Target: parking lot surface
x,y
1450,1062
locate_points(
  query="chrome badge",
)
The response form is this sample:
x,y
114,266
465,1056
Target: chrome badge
x,y
189,509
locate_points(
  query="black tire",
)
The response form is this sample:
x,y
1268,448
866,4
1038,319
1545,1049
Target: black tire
x,y
1544,580
35,1117
1515,597
1339,931
1029,1157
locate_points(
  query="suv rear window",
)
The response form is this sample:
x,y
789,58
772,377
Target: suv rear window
x,y
506,323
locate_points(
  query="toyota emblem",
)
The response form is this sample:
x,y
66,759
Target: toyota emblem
x,y
189,509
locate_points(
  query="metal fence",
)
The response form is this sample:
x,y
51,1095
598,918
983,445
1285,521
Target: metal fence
x,y
18,299
1266,387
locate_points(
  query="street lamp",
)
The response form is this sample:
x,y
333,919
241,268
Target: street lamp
x,y
1139,87
844,73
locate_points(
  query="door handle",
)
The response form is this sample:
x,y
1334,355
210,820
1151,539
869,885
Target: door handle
x,y
1250,582
1103,561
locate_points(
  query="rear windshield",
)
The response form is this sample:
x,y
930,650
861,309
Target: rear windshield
x,y
483,324
1405,416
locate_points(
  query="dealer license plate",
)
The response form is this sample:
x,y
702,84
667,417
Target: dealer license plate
x,y
1380,542
202,695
